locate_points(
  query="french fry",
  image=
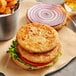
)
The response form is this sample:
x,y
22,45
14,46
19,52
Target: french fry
x,y
7,10
9,0
7,5
12,3
3,5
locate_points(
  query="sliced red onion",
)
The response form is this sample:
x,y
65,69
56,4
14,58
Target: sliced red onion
x,y
46,13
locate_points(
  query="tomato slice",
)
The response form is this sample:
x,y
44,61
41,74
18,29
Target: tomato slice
x,y
33,63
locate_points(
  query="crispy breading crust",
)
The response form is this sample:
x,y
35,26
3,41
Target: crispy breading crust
x,y
37,37
40,58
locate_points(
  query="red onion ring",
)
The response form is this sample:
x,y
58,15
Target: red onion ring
x,y
46,13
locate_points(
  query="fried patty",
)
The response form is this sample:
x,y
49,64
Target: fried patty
x,y
37,37
40,58
34,68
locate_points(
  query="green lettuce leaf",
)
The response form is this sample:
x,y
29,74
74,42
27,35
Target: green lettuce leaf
x,y
52,63
14,53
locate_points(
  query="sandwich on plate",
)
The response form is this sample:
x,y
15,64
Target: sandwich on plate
x,y
36,46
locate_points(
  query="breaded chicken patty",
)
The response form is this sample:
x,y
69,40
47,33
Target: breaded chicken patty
x,y
40,58
37,37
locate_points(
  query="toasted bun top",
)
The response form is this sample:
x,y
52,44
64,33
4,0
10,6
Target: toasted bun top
x,y
37,37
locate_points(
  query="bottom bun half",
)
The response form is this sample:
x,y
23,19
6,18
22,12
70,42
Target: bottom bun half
x,y
36,67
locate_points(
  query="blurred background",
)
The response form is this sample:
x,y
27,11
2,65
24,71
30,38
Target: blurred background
x,y
52,1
